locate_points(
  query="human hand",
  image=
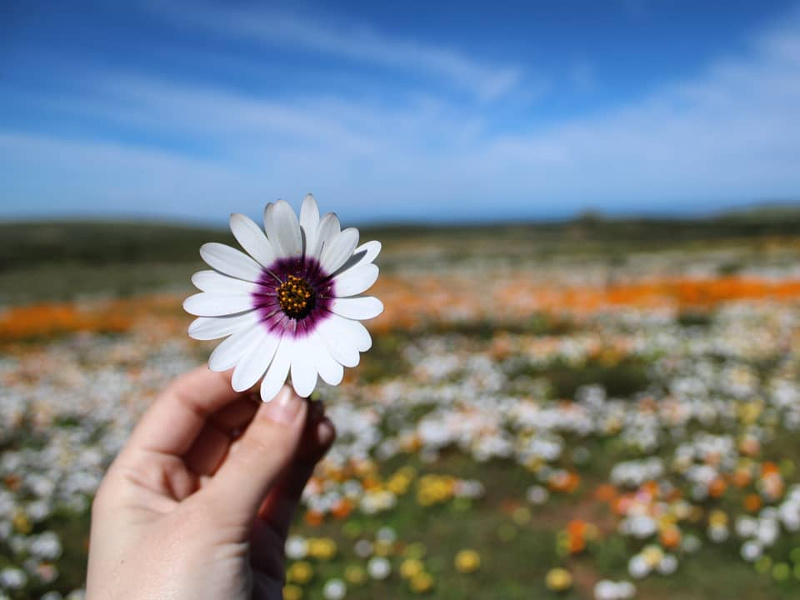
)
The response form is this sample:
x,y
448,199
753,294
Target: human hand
x,y
193,509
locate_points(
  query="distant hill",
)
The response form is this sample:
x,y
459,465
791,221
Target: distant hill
x,y
765,212
24,244
27,243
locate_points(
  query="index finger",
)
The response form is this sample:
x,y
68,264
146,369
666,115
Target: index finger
x,y
175,419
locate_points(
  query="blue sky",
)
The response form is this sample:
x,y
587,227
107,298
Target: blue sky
x,y
413,111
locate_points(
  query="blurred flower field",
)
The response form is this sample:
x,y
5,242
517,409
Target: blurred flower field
x,y
562,430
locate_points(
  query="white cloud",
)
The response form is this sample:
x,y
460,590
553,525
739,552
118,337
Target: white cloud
x,y
348,39
728,135
50,176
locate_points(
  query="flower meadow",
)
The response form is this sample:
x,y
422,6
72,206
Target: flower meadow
x,y
520,429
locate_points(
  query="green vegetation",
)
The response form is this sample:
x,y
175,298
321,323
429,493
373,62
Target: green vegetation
x,y
65,260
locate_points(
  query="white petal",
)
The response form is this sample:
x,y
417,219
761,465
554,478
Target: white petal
x,y
340,248
309,221
365,254
212,304
355,281
231,350
277,371
327,229
230,261
283,229
212,328
252,239
361,335
362,307
304,375
330,371
338,339
253,364
211,281
370,249
353,333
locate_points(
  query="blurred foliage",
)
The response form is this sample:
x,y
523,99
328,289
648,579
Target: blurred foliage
x,y
67,260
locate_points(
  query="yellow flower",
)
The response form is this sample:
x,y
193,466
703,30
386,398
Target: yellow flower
x,y
300,572
432,489
292,592
410,568
322,548
718,518
398,485
652,555
558,580
467,561
22,523
355,575
421,583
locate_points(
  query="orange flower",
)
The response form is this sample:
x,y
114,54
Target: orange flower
x,y
314,518
752,502
341,509
576,536
670,537
605,492
717,487
564,482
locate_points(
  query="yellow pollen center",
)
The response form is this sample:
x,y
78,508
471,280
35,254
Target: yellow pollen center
x,y
296,297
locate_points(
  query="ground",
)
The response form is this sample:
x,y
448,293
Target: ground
x,y
566,397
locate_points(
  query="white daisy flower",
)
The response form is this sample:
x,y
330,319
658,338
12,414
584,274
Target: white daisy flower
x,y
296,547
668,564
334,589
751,551
292,304
12,578
379,568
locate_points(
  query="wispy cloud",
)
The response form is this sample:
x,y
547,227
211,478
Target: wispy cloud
x,y
347,38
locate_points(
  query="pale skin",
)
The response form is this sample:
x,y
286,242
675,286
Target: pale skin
x,y
198,503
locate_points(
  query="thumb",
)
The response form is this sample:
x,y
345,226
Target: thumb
x,y
256,461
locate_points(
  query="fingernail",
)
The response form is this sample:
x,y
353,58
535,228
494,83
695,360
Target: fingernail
x,y
284,408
